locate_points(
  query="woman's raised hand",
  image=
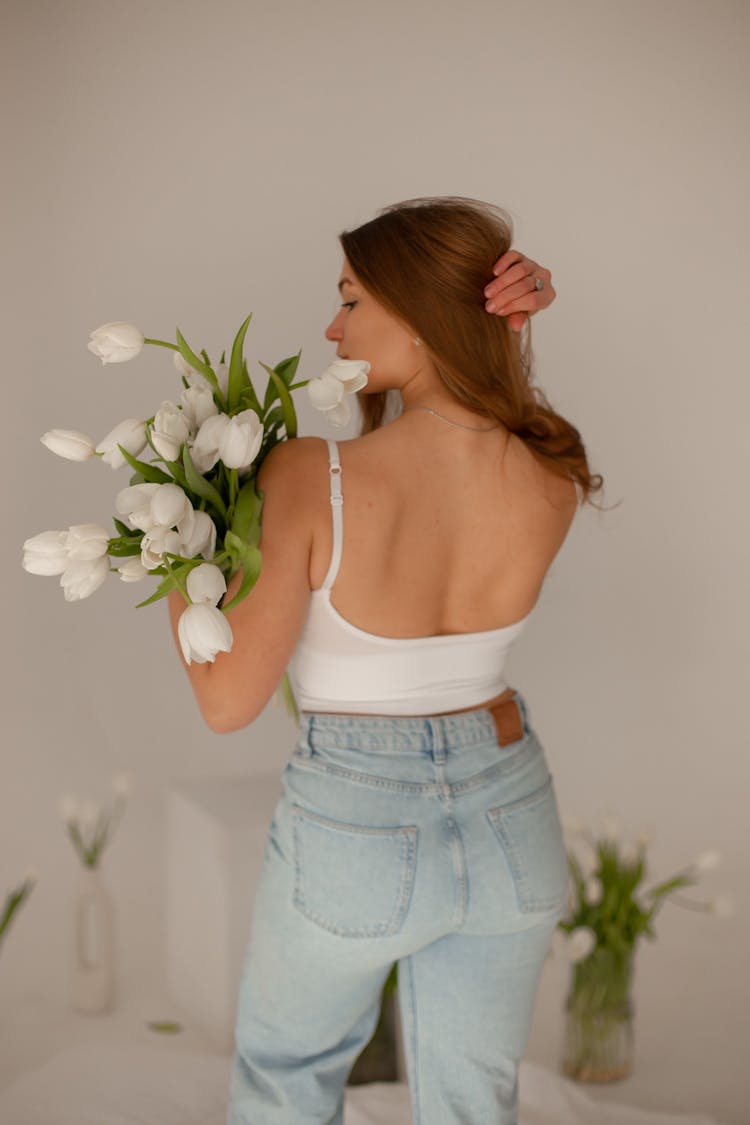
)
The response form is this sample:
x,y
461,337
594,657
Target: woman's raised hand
x,y
513,292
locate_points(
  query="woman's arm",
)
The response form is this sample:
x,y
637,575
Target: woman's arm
x,y
233,690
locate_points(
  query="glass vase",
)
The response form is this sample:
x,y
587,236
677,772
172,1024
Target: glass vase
x,y
598,1043
94,937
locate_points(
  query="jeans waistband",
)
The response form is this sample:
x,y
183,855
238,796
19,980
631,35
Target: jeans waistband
x,y
508,721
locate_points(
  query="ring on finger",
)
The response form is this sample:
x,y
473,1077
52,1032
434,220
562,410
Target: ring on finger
x,y
538,283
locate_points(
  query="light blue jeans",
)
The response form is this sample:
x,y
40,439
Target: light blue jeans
x,y
416,840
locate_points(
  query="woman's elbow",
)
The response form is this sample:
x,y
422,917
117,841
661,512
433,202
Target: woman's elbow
x,y
223,721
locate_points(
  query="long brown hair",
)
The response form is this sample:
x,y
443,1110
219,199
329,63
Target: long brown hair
x,y
427,261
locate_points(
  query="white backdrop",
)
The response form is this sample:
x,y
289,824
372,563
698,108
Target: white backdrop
x,y
184,163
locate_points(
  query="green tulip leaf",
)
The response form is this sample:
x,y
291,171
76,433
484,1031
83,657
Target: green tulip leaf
x,y
200,486
287,368
120,549
166,1027
287,406
166,586
179,475
251,562
237,376
247,511
195,361
147,471
123,528
248,398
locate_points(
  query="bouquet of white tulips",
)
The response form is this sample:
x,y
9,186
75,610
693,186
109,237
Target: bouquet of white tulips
x,y
191,515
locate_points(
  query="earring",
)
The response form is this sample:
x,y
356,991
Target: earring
x,y
417,341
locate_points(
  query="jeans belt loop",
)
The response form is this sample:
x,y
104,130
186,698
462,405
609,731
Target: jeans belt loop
x,y
508,721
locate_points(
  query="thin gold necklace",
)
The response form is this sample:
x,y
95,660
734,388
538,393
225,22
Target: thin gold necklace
x,y
478,429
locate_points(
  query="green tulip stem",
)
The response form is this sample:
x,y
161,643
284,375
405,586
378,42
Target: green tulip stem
x,y
161,343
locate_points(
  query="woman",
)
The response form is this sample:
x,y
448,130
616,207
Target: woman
x,y
418,822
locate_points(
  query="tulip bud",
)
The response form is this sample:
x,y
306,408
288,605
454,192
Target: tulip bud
x,y
116,342
133,570
722,906
169,505
706,861
122,785
130,434
203,632
241,439
134,503
87,541
169,431
46,553
197,533
198,405
593,890
206,584
222,377
205,448
70,444
82,577
581,942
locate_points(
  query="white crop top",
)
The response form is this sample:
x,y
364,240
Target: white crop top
x,y
339,667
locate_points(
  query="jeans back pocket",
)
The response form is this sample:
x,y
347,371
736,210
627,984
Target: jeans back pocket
x,y
530,834
352,880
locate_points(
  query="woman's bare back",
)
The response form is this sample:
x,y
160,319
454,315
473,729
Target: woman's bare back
x,y
445,530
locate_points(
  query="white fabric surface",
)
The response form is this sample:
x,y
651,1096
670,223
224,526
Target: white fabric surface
x,y
104,1085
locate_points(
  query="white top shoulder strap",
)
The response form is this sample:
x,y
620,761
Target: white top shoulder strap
x,y
337,502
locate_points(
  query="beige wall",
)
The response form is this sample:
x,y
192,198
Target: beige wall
x,y
185,163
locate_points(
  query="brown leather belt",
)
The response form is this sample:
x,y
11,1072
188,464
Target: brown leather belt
x,y
508,720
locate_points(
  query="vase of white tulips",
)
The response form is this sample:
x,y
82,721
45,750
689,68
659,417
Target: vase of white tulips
x,y
191,515
608,911
90,827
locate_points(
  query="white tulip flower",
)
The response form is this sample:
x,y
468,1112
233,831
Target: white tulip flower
x,y
70,444
134,503
706,861
169,505
46,553
629,854
88,817
198,405
155,542
68,807
82,577
328,393
130,434
206,584
87,541
222,377
197,533
169,431
593,890
116,342
185,369
643,840
122,785
241,439
133,570
722,906
203,632
205,448
580,943
610,828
